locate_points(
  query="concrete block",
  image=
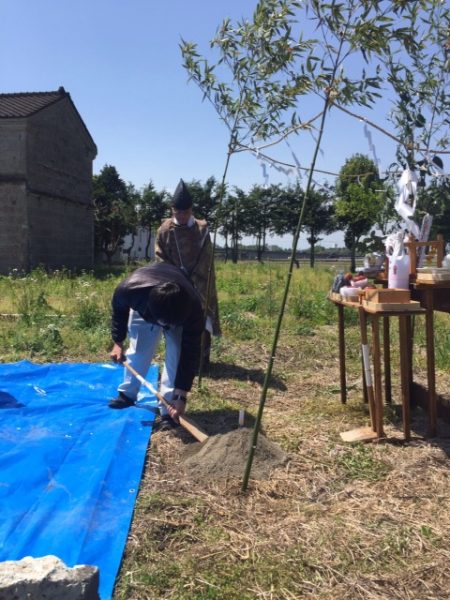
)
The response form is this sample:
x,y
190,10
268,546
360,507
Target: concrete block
x,y
47,578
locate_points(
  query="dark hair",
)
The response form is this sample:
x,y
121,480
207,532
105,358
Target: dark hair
x,y
169,303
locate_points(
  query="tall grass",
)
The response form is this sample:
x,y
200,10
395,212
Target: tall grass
x,y
55,316
61,316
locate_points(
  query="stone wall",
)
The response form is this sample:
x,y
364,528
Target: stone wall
x,y
13,147
46,212
13,227
59,153
61,233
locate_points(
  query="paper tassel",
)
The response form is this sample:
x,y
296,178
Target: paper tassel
x,y
406,201
371,145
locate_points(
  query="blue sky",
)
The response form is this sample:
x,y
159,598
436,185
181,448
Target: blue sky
x,y
121,63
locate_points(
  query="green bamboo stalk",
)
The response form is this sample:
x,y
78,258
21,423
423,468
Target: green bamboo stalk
x,y
230,151
211,260
263,397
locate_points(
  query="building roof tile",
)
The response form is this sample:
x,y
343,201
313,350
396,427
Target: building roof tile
x,y
25,104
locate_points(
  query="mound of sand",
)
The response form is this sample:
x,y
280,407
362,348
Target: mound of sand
x,y
226,455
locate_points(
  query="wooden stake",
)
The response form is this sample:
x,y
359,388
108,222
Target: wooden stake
x,y
365,434
360,434
367,369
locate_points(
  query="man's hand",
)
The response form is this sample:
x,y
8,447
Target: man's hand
x,y
177,406
117,354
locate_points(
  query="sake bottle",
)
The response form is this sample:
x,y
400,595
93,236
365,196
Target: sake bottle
x,y
399,265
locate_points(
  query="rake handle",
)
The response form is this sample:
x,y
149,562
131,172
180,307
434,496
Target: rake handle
x,y
185,422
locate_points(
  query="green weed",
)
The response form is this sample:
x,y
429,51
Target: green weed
x,y
359,462
45,342
89,316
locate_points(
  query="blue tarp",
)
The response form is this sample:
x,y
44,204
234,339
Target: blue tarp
x,y
70,467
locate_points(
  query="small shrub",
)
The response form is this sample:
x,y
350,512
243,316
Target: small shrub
x,y
46,342
90,316
32,305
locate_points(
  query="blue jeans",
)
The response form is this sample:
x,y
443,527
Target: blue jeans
x,y
144,338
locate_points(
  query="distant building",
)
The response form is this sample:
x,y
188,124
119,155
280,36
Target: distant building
x,y
137,246
46,210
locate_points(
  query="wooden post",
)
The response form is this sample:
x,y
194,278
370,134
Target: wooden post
x,y
440,250
341,329
411,320
387,360
413,247
365,394
412,260
404,326
367,371
429,326
377,375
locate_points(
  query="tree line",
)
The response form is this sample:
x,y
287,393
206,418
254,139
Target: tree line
x,y
360,203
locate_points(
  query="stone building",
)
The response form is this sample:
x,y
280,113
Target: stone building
x,y
46,210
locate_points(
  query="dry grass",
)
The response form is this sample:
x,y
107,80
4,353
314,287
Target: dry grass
x,y
339,521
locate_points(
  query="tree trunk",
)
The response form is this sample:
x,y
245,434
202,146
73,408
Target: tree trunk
x,y
226,249
312,255
234,249
109,256
147,247
353,256
110,249
258,248
128,250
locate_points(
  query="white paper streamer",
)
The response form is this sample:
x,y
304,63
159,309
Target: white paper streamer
x,y
371,145
366,362
405,204
264,172
297,162
407,198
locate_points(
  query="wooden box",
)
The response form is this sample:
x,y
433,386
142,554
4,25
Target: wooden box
x,y
432,275
387,295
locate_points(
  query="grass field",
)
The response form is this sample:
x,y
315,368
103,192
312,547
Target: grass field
x,y
338,521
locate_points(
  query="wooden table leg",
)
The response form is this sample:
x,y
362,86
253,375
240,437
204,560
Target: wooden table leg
x,y
367,373
387,361
341,328
365,393
377,375
412,325
405,377
429,326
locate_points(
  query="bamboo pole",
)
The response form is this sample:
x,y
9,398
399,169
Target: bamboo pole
x,y
262,401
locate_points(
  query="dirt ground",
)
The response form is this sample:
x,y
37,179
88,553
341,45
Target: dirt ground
x,y
225,455
321,519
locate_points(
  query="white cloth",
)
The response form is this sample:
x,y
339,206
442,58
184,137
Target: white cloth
x,y
209,325
144,338
190,222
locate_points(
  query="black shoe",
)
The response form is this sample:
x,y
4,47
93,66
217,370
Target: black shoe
x,y
166,423
121,401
